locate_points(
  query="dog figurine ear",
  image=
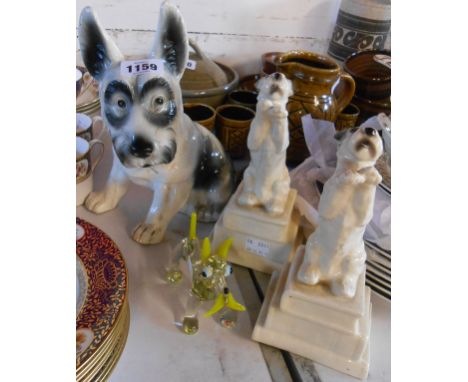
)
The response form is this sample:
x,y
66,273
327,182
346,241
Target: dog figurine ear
x,y
99,52
171,43
339,136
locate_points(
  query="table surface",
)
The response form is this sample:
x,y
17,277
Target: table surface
x,y
157,349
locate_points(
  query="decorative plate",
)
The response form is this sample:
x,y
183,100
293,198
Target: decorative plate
x,y
104,287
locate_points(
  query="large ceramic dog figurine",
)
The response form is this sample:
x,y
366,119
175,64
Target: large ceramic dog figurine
x,y
154,143
335,252
266,180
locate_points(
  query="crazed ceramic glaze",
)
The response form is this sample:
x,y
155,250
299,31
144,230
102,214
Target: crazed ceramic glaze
x,y
335,252
154,143
266,179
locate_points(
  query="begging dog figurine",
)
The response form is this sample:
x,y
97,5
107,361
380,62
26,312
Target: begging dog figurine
x,y
266,179
335,252
154,143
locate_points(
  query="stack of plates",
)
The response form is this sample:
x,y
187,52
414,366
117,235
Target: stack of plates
x,y
378,270
88,100
103,318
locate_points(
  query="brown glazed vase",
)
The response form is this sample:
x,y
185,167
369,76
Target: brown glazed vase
x,y
320,89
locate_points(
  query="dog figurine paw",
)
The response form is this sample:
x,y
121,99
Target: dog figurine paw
x,y
266,179
155,144
335,252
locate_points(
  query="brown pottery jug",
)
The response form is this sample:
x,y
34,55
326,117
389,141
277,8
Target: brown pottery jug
x,y
320,89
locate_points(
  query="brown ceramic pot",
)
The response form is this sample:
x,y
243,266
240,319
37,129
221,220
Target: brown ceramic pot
x,y
203,114
243,97
320,89
233,124
369,108
372,78
347,118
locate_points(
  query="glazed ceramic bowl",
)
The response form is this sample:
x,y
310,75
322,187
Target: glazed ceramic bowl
x,y
373,79
203,114
213,96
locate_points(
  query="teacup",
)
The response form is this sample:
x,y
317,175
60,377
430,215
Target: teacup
x,y
79,81
201,113
347,118
243,97
233,123
85,166
87,126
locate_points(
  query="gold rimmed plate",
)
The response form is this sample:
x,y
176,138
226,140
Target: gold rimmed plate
x,y
102,293
109,352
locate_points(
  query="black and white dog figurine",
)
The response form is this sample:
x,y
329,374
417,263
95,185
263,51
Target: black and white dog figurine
x,y
154,143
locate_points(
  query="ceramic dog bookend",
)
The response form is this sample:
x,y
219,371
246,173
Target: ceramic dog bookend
x,y
318,306
260,216
155,144
335,252
266,179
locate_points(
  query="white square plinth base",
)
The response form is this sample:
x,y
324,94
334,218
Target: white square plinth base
x,y
260,241
315,322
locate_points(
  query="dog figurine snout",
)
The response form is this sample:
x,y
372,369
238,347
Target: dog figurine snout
x,y
276,76
140,147
370,131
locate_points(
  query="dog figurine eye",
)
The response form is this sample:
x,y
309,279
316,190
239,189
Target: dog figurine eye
x,y
207,272
228,270
121,103
159,100
353,130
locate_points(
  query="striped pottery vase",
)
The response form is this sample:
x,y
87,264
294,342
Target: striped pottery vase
x,y
361,25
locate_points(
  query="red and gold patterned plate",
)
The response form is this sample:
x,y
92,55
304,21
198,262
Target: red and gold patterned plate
x,y
101,289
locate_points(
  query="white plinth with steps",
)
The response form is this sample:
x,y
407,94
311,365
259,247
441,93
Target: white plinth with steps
x,y
260,241
314,323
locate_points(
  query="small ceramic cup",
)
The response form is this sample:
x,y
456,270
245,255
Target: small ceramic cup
x,y
233,124
347,118
203,114
243,97
269,62
87,127
85,166
79,81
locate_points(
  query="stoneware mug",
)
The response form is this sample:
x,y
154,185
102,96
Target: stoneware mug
x,y
347,118
243,97
87,127
233,123
201,113
85,166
